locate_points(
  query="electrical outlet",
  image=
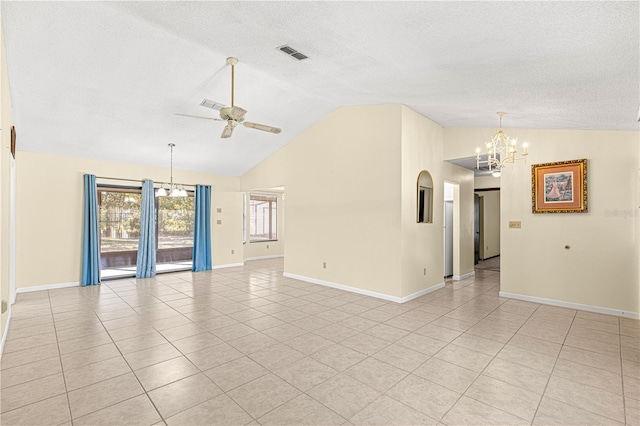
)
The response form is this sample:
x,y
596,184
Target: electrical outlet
x,y
219,210
425,271
324,265
233,251
267,245
515,224
219,221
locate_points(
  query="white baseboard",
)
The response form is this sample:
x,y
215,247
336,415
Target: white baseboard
x,y
422,292
6,331
46,287
228,265
263,257
363,291
464,277
571,305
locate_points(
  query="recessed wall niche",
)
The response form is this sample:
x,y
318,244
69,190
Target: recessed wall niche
x,y
425,197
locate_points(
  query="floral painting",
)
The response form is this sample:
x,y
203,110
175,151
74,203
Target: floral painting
x,y
558,187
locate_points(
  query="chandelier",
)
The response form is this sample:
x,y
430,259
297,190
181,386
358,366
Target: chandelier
x,y
501,150
172,190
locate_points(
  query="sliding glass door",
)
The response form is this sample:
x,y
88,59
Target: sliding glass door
x,y
120,230
174,232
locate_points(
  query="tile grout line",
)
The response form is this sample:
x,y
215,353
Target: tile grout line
x,y
554,367
133,371
624,396
485,367
186,357
578,383
123,358
64,379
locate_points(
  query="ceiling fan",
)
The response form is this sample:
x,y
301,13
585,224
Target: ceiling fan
x,y
233,115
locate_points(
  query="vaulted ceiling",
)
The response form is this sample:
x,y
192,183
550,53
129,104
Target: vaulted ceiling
x,y
105,79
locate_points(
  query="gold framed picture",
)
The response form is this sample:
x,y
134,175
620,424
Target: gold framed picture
x,y
559,187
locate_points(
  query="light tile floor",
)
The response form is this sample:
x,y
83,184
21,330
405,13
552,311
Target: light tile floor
x,y
247,346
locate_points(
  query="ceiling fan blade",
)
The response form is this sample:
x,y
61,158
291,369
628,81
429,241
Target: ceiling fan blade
x,y
198,116
262,127
237,113
227,132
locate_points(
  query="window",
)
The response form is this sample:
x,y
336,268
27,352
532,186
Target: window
x,y
120,229
263,215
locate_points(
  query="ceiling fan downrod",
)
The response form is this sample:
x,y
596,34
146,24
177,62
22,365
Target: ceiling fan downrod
x,y
232,61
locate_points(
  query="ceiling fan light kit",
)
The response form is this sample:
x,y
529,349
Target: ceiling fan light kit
x,y
233,115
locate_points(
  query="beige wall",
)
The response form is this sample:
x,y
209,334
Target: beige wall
x,y
351,200
601,267
485,182
6,121
49,197
490,232
342,180
422,243
226,237
343,200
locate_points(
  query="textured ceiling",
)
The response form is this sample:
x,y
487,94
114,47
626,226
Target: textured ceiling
x,y
104,79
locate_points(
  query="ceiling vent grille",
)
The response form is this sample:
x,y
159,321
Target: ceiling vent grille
x,y
292,52
208,103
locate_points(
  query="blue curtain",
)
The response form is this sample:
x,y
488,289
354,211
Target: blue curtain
x,y
90,234
146,263
202,230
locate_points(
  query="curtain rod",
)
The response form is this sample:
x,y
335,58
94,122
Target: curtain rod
x,y
138,180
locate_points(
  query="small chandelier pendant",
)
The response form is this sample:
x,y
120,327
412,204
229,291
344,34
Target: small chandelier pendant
x,y
172,190
501,150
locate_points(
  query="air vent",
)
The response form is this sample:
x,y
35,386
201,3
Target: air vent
x,y
208,103
292,52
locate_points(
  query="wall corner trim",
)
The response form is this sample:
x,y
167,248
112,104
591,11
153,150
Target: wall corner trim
x,y
571,305
465,276
46,287
275,256
6,331
228,265
363,291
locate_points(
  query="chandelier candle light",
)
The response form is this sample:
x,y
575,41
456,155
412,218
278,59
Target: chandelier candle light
x,y
502,149
173,190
